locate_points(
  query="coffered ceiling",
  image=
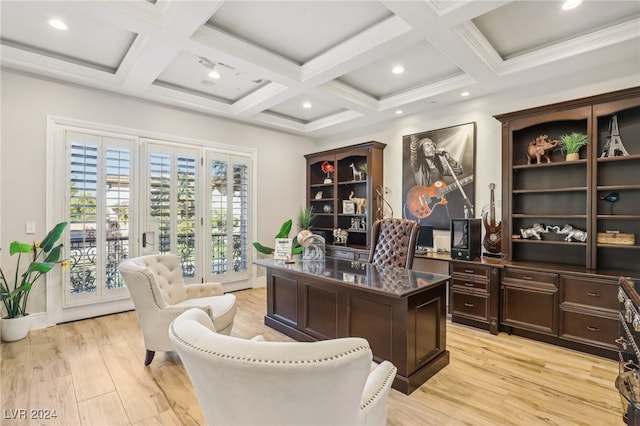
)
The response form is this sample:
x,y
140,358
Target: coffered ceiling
x,y
274,56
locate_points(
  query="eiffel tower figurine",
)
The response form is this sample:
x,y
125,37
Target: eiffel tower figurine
x,y
613,147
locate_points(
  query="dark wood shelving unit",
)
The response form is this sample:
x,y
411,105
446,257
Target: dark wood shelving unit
x,y
334,193
554,290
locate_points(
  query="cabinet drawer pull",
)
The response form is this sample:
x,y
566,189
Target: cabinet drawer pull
x,y
527,277
593,328
469,284
469,271
468,305
593,294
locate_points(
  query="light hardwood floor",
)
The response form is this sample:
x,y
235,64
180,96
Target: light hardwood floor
x,y
91,372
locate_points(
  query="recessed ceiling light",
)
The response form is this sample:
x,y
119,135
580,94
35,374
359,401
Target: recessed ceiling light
x,y
570,4
58,24
463,94
398,111
214,74
398,69
306,105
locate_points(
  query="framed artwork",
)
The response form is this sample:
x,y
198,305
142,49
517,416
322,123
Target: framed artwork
x,y
437,175
348,207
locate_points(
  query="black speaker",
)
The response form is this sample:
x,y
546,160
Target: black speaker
x,y
466,238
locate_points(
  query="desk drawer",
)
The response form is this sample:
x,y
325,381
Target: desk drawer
x,y
599,293
589,328
480,271
531,276
470,284
343,253
475,306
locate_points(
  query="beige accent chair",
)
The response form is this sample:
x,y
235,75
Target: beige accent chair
x,y
393,242
253,382
159,295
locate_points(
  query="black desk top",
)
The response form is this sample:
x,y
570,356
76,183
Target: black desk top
x,y
398,282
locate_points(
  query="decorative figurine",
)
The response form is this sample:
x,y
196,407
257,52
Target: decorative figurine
x,y
572,233
313,244
357,174
534,231
360,203
539,148
611,197
340,236
613,146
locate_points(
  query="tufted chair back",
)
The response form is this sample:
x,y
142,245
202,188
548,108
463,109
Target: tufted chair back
x,y
253,382
159,295
393,242
167,272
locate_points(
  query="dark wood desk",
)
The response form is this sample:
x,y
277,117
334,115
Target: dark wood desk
x,y
402,313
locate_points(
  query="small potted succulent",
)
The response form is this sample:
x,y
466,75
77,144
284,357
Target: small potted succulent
x,y
571,144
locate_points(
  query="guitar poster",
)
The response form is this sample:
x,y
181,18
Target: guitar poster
x,y
437,175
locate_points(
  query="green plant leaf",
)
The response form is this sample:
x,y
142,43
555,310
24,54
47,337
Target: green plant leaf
x,y
18,247
42,267
285,229
263,249
55,254
53,236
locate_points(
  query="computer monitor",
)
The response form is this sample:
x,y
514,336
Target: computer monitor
x,y
425,237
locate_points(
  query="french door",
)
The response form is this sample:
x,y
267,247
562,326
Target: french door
x,y
99,201
198,208
127,196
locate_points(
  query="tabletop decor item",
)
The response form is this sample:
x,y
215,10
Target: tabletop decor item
x,y
570,145
15,287
283,233
327,168
539,148
613,146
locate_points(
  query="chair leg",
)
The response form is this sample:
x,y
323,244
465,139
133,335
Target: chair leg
x,y
149,357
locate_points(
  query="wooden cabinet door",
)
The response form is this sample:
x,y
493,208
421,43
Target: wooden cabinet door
x,y
532,307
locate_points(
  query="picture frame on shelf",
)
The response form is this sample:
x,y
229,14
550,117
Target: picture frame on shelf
x,y
348,207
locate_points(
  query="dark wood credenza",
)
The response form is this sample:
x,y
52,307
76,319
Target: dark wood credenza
x,y
402,313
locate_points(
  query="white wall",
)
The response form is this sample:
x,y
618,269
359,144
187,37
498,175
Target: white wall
x,y
26,102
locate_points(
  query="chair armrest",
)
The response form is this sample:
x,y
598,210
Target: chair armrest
x,y
203,290
198,315
175,310
373,404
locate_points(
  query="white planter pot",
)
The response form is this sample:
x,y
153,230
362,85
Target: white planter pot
x,y
14,329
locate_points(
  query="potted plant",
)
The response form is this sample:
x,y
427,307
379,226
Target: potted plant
x,y
15,287
305,217
571,144
283,233
364,169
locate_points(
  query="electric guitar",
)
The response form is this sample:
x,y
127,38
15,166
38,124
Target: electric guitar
x,y
493,229
421,200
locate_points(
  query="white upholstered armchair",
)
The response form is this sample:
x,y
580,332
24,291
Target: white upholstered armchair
x,y
159,295
253,382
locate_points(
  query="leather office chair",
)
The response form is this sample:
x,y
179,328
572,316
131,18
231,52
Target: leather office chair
x,y
160,295
253,382
393,242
